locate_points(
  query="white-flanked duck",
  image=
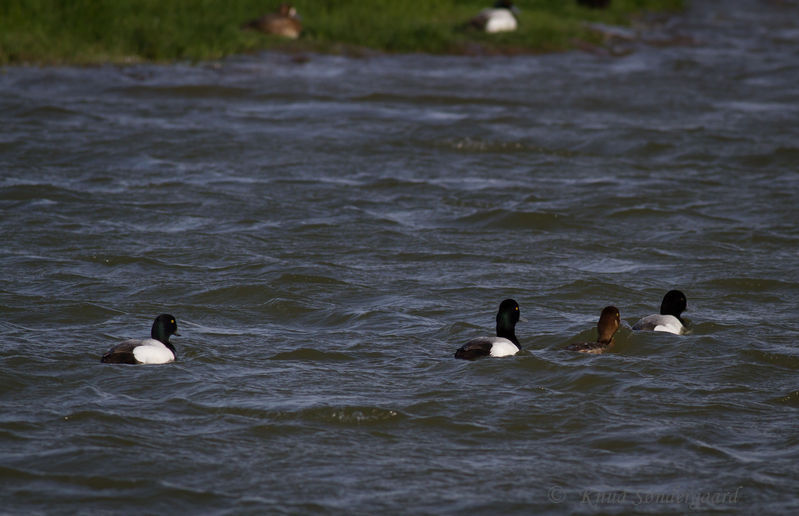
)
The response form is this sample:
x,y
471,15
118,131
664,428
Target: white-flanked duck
x,y
500,18
155,350
668,320
504,344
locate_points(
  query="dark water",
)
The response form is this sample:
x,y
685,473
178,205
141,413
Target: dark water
x,y
328,232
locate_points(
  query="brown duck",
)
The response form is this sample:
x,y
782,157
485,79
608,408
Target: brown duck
x,y
608,324
285,22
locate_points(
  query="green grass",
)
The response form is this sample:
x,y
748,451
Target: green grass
x,y
119,31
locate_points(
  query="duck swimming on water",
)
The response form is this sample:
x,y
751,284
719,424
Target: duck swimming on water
x,y
155,350
668,320
504,344
608,324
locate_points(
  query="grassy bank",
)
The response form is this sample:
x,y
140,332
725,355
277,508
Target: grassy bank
x,y
97,31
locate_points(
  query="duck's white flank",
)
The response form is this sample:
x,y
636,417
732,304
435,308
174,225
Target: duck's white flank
x,y
502,347
151,351
658,322
499,20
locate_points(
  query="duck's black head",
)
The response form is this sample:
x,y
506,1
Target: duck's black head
x,y
608,324
507,317
163,327
674,303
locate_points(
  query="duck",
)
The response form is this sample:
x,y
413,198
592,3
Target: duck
x,y
609,321
668,320
500,18
155,350
504,344
285,22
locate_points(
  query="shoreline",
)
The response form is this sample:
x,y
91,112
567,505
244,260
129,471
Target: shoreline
x,y
129,32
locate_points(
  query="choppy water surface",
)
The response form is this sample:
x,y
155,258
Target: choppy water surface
x,y
329,231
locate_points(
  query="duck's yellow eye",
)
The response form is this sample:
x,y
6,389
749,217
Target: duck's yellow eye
x,y
172,321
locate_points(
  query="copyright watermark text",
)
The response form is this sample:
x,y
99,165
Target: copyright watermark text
x,y
690,499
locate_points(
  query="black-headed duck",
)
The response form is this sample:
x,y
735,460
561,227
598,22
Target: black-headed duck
x,y
668,320
504,344
155,350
